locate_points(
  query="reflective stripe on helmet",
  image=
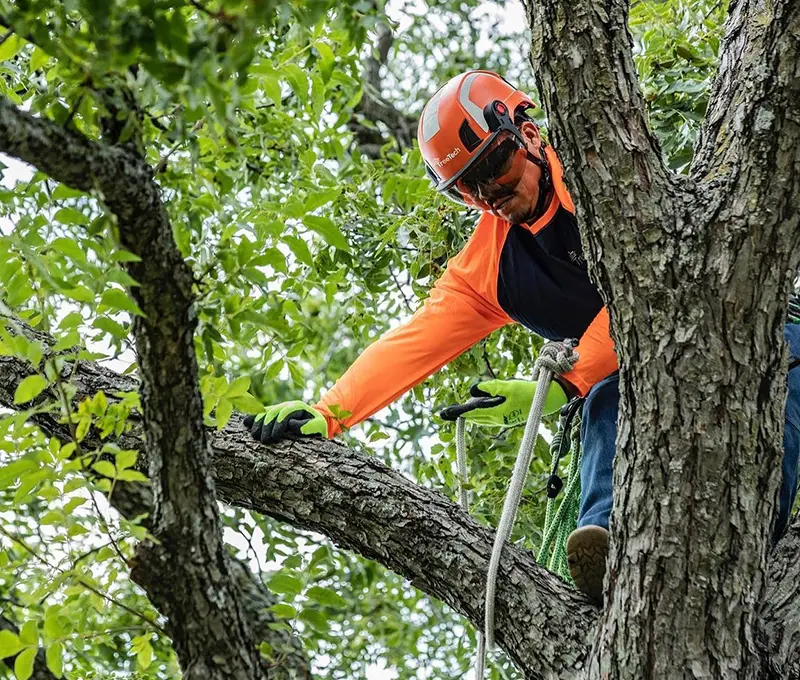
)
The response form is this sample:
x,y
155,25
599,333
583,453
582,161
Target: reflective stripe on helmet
x,y
469,106
430,120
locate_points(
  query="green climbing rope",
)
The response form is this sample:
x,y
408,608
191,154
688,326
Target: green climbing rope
x,y
794,309
561,515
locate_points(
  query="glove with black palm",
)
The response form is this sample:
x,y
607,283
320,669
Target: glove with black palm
x,y
503,403
289,417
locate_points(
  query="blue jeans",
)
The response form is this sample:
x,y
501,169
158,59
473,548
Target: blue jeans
x,y
599,434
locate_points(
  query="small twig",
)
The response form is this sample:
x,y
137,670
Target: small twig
x,y
107,529
6,35
79,558
220,16
74,109
79,581
163,162
400,288
486,361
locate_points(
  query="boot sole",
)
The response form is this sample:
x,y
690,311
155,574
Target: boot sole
x,y
587,549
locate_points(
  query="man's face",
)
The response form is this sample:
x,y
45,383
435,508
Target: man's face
x,y
515,195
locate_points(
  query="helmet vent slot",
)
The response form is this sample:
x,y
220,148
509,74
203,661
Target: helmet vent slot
x,y
468,137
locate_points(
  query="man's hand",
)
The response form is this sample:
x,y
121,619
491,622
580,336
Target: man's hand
x,y
290,417
511,402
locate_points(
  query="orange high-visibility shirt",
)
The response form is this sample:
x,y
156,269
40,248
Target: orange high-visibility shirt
x,y
531,274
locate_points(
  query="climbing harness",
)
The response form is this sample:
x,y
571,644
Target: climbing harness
x,y
555,357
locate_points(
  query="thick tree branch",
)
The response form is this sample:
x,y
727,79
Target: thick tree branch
x,y
186,571
582,57
695,273
543,624
374,107
755,92
134,500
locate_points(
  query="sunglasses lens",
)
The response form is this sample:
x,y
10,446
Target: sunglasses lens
x,y
496,161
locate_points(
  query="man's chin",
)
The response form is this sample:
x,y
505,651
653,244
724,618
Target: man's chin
x,y
515,216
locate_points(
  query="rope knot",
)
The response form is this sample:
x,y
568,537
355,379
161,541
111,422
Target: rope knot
x,y
558,357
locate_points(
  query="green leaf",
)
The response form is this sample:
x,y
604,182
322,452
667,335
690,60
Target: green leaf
x,y
145,656
328,230
284,584
52,626
12,45
272,87
23,665
326,59
315,618
124,256
70,249
9,643
122,277
29,633
223,413
113,298
300,249
52,517
71,216
79,293
326,596
70,340
238,387
29,388
54,661
283,610
71,320
247,404
38,59
319,197
125,459
131,476
105,468
298,81
62,191
108,325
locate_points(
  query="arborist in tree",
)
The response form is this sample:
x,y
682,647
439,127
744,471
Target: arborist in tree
x,y
523,264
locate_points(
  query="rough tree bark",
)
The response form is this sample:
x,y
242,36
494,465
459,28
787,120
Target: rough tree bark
x,y
133,500
365,506
545,627
187,572
695,272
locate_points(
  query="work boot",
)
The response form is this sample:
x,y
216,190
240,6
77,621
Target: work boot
x,y
587,548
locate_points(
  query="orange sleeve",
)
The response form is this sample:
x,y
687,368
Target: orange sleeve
x,y
460,310
596,357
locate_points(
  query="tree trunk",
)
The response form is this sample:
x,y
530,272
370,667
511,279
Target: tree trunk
x,y
695,272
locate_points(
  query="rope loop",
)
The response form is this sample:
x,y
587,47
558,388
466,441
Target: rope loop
x,y
557,357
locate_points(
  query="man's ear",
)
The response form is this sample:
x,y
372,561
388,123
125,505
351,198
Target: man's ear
x,y
530,131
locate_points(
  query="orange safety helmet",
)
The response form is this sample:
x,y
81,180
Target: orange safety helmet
x,y
462,119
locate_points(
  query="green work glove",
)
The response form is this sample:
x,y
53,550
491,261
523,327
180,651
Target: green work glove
x,y
516,404
290,417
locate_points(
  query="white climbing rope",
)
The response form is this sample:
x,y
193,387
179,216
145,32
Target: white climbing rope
x,y
555,357
463,498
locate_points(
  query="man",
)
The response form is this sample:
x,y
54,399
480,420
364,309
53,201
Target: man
x,y
522,264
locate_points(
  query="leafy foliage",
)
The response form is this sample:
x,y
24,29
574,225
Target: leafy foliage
x,y
304,251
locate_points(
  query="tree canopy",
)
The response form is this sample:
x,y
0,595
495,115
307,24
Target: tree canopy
x,y
281,138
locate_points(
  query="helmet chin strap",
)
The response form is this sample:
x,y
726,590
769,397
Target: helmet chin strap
x,y
545,180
